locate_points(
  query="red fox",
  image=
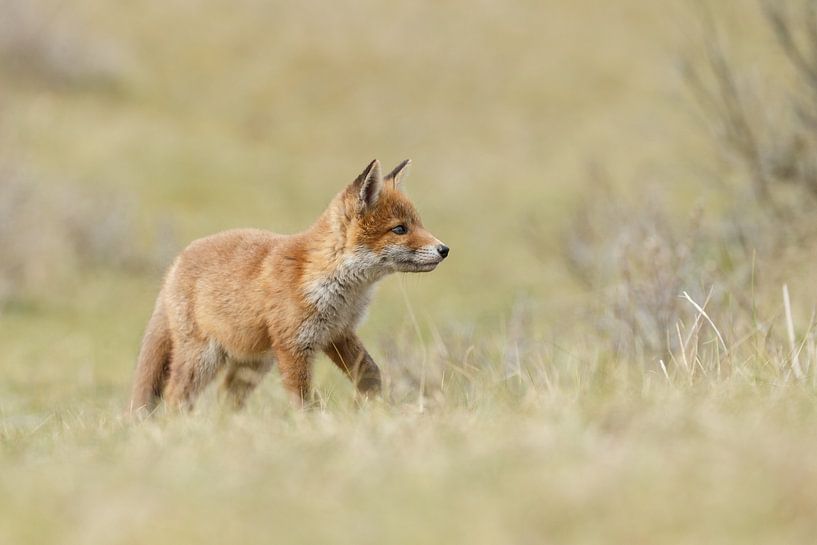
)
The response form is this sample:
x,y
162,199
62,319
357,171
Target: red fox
x,y
244,300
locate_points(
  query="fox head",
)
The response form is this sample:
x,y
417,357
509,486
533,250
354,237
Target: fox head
x,y
383,228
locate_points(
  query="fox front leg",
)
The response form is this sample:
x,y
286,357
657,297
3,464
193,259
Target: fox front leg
x,y
296,374
349,354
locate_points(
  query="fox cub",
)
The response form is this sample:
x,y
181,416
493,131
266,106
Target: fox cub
x,y
243,300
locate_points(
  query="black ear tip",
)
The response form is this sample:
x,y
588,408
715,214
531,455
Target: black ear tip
x,y
372,167
394,174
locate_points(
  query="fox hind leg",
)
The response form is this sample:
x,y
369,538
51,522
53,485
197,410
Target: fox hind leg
x,y
242,378
194,364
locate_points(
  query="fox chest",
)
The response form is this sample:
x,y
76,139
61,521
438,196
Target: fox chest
x,y
334,310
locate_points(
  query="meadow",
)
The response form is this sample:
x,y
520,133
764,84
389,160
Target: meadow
x,y
620,348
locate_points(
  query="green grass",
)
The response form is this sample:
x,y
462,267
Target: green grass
x,y
505,419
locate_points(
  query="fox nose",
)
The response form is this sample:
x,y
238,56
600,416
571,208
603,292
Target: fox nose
x,y
442,249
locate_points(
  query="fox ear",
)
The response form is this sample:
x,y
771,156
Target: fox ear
x,y
396,175
368,185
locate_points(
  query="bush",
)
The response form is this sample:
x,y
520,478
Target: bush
x,y
648,266
45,45
51,231
768,133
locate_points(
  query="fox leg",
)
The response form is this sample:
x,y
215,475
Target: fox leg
x,y
349,354
242,378
296,374
194,363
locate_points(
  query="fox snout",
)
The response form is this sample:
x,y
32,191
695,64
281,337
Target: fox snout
x,y
421,259
438,251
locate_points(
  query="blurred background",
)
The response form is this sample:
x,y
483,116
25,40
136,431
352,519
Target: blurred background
x,y
560,148
605,174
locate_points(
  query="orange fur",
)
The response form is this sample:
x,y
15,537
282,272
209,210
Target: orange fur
x,y
243,300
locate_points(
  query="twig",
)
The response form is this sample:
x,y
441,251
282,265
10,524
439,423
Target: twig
x,y
703,313
795,354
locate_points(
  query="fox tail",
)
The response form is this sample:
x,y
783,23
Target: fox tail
x,y
153,364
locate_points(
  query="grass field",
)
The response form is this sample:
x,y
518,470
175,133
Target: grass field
x,y
523,402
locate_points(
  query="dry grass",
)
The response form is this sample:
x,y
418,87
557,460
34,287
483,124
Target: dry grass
x,y
570,451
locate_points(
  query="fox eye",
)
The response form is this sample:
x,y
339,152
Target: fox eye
x,y
400,230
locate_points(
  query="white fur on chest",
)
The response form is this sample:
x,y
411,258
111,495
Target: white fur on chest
x,y
339,299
